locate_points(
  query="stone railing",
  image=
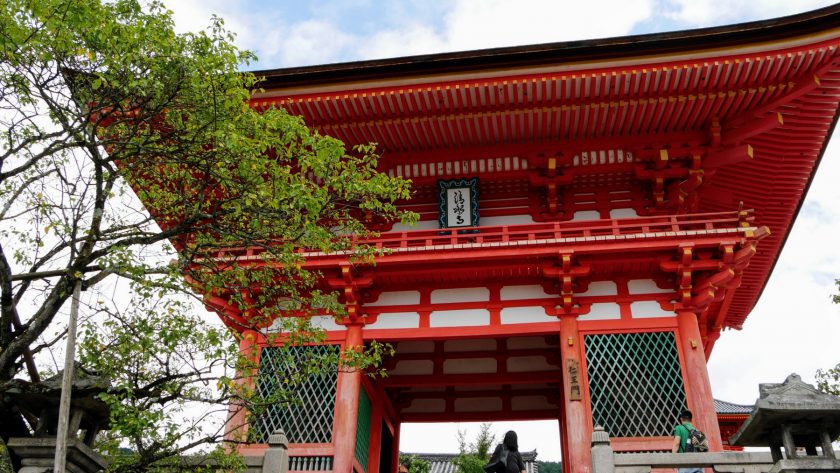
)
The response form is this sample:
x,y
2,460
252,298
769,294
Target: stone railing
x,y
604,460
37,455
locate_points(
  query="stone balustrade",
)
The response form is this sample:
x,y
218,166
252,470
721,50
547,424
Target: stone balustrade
x,y
604,460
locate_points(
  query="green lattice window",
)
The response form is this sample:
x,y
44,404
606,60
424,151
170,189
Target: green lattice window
x,y
308,418
363,429
635,384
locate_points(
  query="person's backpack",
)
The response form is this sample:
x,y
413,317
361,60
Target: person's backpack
x,y
696,441
500,465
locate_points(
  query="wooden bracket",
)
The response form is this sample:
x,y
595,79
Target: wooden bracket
x,y
350,283
566,272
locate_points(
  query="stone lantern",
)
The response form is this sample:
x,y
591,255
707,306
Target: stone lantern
x,y
794,415
40,403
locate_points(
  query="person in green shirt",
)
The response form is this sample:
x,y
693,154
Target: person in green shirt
x,y
681,432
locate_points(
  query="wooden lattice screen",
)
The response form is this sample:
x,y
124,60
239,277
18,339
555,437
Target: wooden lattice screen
x,y
308,418
635,384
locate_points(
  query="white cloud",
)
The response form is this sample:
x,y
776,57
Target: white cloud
x,y
473,24
468,24
707,12
410,40
311,42
462,25
481,23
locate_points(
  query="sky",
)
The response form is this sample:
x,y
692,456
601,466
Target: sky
x,y
793,328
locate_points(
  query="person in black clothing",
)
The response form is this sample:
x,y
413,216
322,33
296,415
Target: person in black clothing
x,y
514,459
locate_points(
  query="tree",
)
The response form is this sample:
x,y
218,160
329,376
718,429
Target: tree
x,y
549,467
415,464
103,107
474,455
828,381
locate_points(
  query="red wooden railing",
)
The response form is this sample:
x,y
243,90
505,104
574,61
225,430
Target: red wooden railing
x,y
590,229
558,230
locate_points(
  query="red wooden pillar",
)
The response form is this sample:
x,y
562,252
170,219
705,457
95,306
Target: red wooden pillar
x,y
698,387
395,450
347,408
375,435
237,425
564,447
577,431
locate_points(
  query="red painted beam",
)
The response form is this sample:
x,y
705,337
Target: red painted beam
x,y
548,392
471,379
488,416
473,354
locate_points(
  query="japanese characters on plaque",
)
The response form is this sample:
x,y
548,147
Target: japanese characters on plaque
x,y
458,202
573,368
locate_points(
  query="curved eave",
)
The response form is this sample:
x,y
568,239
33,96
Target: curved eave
x,y
655,44
533,98
731,410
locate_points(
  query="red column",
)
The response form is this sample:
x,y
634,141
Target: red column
x,y
576,422
698,387
237,425
375,435
395,450
347,409
564,447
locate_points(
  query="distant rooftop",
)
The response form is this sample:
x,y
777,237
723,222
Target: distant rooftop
x,y
723,407
442,462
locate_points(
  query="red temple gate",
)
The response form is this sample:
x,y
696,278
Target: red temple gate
x,y
626,190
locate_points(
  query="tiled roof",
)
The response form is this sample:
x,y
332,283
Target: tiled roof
x,y
723,407
442,462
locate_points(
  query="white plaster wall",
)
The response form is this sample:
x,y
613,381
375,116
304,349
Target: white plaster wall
x,y
525,315
645,286
623,213
421,225
518,293
600,288
469,366
273,328
396,298
326,322
396,320
506,220
459,318
464,294
648,309
603,311
586,215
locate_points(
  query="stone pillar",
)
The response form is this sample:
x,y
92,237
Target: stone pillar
x,y
577,429
697,385
276,458
603,459
347,408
